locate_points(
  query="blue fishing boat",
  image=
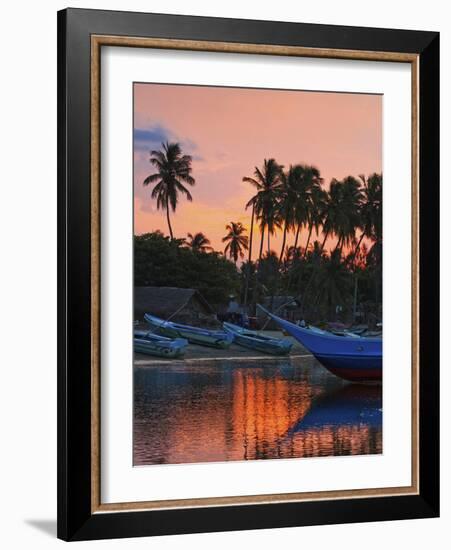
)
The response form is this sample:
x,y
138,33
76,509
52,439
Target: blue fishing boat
x,y
204,337
357,359
253,340
153,344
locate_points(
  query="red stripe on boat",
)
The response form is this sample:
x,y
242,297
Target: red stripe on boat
x,y
356,375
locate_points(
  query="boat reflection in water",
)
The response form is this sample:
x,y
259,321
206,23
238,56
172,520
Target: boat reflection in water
x,y
239,411
347,422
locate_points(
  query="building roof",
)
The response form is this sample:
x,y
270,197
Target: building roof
x,y
166,300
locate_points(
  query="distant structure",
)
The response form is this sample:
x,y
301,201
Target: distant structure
x,y
234,306
234,313
182,305
287,307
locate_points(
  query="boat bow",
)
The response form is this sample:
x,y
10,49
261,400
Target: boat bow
x,y
356,359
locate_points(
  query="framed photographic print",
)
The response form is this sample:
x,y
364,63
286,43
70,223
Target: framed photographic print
x,y
248,274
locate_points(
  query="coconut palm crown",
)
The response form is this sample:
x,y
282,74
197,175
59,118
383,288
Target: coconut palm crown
x,y
198,242
267,181
173,171
236,241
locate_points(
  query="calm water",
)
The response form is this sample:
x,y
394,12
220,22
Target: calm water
x,y
247,411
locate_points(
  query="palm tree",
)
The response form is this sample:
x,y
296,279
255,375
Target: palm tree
x,y
173,170
316,252
248,270
308,209
236,240
249,261
333,218
316,211
349,212
269,274
273,221
267,183
198,243
292,266
288,195
333,281
308,178
370,210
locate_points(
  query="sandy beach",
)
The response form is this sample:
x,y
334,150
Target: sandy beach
x,y
198,354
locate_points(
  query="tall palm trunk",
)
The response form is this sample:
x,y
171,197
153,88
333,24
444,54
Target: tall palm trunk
x,y
254,293
315,270
285,228
261,244
297,236
357,248
283,243
169,221
295,246
338,245
269,246
324,241
235,253
308,240
248,269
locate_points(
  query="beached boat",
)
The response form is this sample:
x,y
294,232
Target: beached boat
x,y
344,333
356,359
153,344
204,337
253,340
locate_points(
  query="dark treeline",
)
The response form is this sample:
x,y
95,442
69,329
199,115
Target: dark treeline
x,y
161,261
337,274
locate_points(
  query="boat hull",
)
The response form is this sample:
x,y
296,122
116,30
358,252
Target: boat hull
x,y
202,337
354,359
360,369
252,340
151,344
155,349
259,346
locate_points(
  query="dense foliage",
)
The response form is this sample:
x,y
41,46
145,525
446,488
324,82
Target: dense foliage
x,y
337,274
327,287
160,261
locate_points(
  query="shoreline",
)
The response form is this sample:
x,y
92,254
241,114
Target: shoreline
x,y
196,360
196,354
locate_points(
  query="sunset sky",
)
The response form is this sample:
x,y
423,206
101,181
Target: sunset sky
x,y
229,131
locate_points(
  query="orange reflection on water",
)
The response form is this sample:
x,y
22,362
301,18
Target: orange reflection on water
x,y
332,441
263,411
205,414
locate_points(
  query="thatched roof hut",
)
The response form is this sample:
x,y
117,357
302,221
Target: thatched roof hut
x,y
184,305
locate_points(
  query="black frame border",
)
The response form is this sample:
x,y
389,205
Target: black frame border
x,y
75,520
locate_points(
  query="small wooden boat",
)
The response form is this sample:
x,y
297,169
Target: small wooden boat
x,y
253,340
356,359
194,335
152,344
